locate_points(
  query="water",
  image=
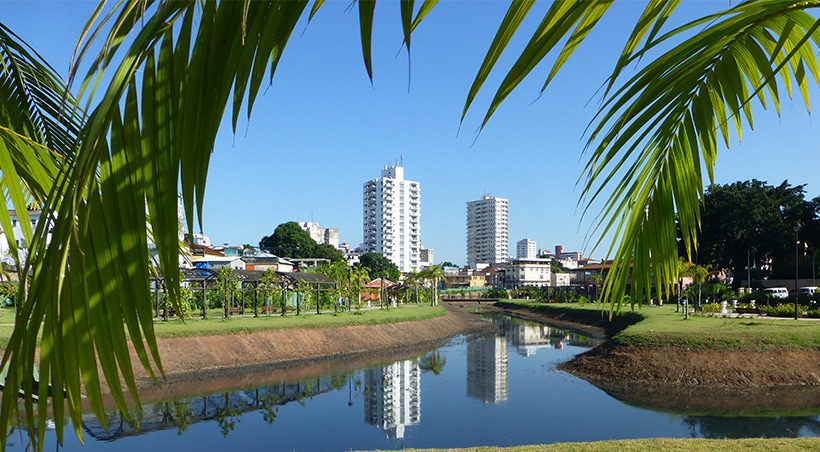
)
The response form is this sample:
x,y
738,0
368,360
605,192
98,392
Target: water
x,y
496,390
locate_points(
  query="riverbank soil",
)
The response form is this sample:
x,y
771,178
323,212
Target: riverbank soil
x,y
712,382
670,378
198,365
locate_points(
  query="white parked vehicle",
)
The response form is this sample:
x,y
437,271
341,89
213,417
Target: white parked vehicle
x,y
777,292
807,290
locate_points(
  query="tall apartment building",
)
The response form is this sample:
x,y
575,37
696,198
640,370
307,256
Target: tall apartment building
x,y
392,218
487,230
526,249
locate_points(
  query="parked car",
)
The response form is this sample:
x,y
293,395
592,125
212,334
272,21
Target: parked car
x,y
807,290
777,292
809,293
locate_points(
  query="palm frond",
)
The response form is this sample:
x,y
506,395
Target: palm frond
x,y
654,136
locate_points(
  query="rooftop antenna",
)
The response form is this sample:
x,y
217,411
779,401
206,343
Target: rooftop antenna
x,y
402,160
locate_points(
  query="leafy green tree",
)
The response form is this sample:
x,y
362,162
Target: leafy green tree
x,y
329,252
268,284
153,116
380,266
227,284
289,240
557,267
736,217
339,272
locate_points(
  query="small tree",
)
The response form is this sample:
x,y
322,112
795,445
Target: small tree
x,y
226,285
268,283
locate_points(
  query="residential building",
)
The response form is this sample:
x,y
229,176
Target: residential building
x,y
392,218
527,272
526,249
329,236
560,279
17,232
268,262
487,231
426,257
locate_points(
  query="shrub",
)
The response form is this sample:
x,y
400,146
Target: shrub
x,y
781,310
496,292
711,308
813,313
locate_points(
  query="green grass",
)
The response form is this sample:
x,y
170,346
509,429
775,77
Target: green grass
x,y
662,326
215,325
664,444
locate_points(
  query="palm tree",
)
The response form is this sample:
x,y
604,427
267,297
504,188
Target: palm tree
x,y
412,281
434,274
107,175
359,277
433,362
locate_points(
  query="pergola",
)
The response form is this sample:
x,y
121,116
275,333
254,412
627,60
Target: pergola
x,y
204,278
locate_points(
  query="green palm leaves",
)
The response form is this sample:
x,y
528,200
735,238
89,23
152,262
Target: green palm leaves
x,y
657,132
108,177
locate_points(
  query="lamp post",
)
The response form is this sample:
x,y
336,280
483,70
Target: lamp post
x,y
796,242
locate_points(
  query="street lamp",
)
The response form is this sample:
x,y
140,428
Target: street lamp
x,y
796,242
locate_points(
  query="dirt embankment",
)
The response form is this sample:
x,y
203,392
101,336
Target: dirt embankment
x,y
679,379
663,374
195,365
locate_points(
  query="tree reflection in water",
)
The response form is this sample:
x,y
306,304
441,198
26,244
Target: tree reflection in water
x,y
715,427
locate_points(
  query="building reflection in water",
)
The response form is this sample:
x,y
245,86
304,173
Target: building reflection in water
x,y
392,393
393,397
528,338
487,360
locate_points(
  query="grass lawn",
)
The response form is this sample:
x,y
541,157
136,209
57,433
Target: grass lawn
x,y
664,444
216,325
661,325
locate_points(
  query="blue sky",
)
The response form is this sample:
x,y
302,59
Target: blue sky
x,y
321,129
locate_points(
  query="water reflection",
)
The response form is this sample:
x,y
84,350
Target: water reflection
x,y
224,408
514,393
391,393
393,397
487,360
718,427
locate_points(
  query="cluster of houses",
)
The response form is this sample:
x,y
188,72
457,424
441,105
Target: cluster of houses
x,y
516,273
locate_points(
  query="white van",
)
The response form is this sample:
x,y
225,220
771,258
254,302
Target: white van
x,y
777,292
807,290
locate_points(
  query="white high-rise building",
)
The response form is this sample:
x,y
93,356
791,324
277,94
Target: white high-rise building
x,y
392,218
526,249
487,230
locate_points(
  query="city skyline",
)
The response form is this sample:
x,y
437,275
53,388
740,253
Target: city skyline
x,y
322,126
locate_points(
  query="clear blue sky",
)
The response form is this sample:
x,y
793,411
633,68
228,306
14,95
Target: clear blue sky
x,y
321,130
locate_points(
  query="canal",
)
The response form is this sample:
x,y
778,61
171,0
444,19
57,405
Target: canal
x,y
500,389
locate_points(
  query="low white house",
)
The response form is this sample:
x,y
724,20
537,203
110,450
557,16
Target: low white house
x,y
217,262
527,272
17,233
